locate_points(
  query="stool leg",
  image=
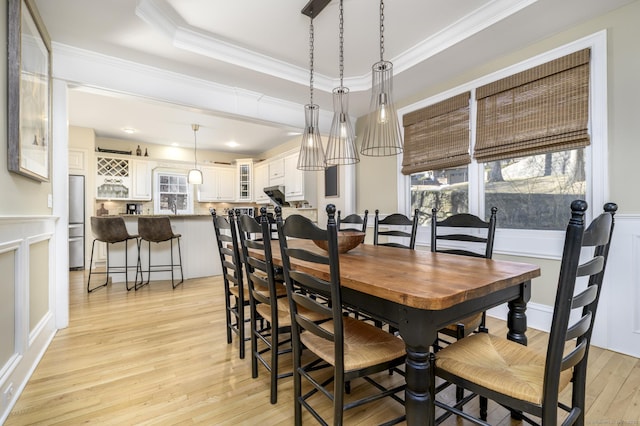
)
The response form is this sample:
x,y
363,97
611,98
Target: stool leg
x,y
89,289
180,259
126,266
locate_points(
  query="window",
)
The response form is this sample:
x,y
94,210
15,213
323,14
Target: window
x,y
173,194
446,190
532,188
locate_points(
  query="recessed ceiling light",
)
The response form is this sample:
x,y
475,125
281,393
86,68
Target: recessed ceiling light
x,y
129,130
232,144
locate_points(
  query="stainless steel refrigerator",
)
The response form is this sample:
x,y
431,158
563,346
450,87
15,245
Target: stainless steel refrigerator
x,y
76,222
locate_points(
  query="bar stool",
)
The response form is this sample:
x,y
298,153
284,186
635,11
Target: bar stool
x,y
157,230
111,230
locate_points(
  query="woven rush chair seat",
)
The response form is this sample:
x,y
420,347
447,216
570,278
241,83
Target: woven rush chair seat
x,y
500,365
284,315
466,325
364,344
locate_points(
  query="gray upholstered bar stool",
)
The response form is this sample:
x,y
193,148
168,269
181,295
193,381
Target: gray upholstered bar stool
x,y
111,230
157,230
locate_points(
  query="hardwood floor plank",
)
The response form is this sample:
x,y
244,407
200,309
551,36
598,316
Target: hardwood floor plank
x,y
160,356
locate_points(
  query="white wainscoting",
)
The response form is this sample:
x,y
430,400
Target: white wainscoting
x,y
30,341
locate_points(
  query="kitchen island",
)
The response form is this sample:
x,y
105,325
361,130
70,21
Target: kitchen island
x,y
198,245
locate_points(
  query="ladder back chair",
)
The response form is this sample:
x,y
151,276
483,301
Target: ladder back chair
x,y
396,224
112,230
267,297
471,236
235,293
349,348
525,380
353,219
477,238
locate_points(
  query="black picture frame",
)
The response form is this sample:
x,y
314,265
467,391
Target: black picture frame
x,y
29,92
331,182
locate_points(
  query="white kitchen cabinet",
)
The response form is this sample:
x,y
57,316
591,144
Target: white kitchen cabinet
x,y
141,179
261,180
113,178
298,185
218,184
245,180
276,172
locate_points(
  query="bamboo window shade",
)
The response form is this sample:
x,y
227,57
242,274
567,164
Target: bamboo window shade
x,y
437,136
540,110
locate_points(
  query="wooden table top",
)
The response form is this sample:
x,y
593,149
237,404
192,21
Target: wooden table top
x,y
417,278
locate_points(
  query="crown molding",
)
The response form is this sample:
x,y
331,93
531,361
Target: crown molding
x,y
93,71
161,16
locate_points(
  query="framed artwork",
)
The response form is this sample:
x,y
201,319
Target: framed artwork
x,y
331,182
29,92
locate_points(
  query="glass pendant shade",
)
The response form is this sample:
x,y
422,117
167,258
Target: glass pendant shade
x,y
341,148
311,151
194,177
382,134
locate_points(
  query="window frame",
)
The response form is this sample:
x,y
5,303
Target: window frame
x,y
156,187
522,242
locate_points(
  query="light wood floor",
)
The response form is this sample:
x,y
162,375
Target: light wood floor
x,y
159,356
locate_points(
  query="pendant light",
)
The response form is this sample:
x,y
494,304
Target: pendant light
x,y
311,151
341,148
382,133
195,175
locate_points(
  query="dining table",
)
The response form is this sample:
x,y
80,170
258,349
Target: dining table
x,y
420,292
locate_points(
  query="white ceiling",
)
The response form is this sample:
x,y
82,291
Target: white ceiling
x,y
262,46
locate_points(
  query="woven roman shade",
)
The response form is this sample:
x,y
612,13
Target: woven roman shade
x,y
437,137
543,109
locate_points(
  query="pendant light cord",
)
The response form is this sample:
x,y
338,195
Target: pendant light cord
x,y
381,29
195,128
341,45
311,40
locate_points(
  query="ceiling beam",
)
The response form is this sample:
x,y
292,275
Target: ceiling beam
x,y
314,7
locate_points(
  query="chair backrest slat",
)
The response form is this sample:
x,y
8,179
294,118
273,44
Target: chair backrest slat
x,y
353,219
464,228
393,222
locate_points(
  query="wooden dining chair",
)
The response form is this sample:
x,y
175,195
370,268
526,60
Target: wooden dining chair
x,y
467,235
270,318
235,292
528,381
345,224
395,225
350,348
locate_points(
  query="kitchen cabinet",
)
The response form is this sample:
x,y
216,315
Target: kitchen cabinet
x,y
276,172
298,185
141,179
245,180
123,178
218,184
113,178
261,180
